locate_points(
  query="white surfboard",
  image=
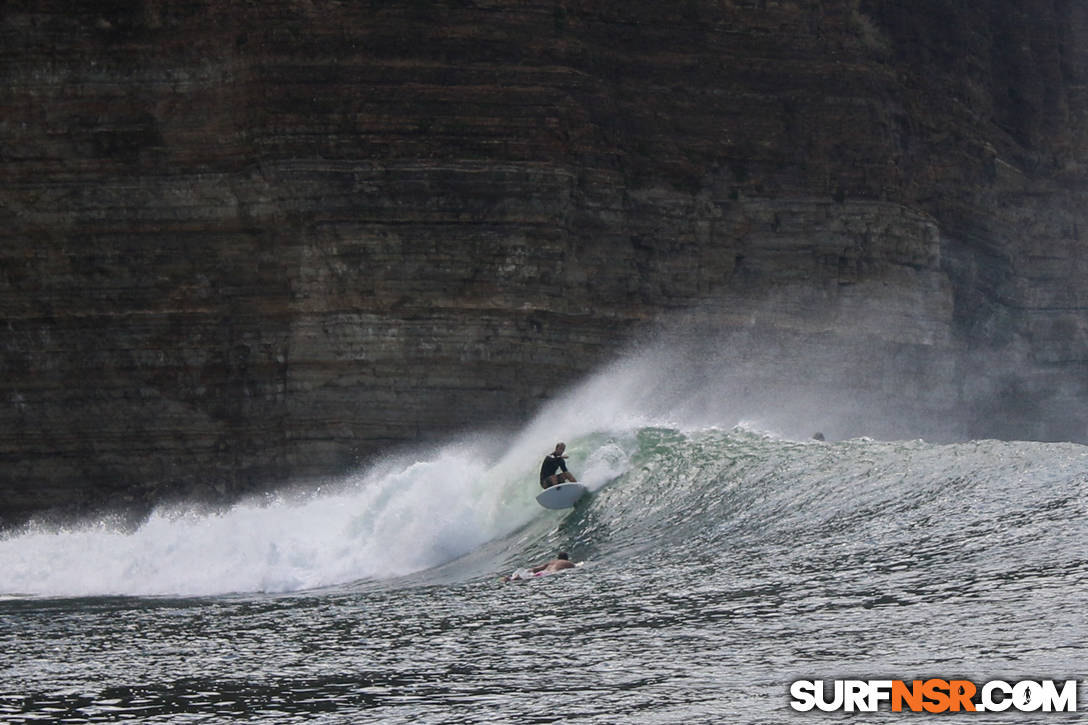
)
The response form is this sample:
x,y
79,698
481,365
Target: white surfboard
x,y
562,496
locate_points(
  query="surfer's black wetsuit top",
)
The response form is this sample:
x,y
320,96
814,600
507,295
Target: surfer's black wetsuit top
x,y
551,464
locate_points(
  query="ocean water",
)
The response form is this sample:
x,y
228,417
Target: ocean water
x,y
721,563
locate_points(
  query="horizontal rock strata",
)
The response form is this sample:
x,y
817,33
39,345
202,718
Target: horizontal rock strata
x,y
250,243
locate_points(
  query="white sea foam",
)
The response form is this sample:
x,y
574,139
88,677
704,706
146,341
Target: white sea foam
x,y
395,518
415,516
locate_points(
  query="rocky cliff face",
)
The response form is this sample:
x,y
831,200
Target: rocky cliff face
x,y
248,243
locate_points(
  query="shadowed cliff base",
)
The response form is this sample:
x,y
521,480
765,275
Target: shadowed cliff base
x,y
250,244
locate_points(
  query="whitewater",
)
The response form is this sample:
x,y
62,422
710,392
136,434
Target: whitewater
x,y
726,554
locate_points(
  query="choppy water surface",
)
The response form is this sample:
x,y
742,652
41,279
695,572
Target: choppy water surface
x,y
720,566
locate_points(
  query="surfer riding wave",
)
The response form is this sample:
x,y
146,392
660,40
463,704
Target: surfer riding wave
x,y
553,463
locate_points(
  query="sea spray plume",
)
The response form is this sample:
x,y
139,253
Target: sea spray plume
x,y
890,364
840,376
686,378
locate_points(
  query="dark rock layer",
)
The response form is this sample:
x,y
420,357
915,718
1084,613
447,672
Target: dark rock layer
x,y
246,243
